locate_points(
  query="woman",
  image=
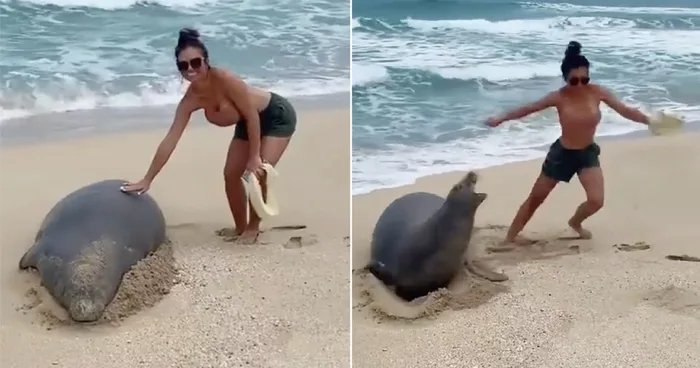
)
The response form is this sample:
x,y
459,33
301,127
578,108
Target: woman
x,y
575,152
264,123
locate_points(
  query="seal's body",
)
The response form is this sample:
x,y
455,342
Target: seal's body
x,y
89,240
421,240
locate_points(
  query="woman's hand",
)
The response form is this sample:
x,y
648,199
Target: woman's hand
x,y
494,122
255,166
139,187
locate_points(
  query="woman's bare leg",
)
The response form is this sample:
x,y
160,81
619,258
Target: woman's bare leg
x,y
539,192
592,181
236,160
271,150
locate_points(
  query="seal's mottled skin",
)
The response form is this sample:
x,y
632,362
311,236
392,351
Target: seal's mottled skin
x,y
89,240
421,240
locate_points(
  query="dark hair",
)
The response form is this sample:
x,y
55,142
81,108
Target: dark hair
x,y
190,38
573,59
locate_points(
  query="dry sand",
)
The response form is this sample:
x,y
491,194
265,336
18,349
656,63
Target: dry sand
x,y
613,301
199,301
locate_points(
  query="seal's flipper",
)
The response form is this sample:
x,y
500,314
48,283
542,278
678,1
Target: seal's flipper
x,y
29,258
478,199
476,268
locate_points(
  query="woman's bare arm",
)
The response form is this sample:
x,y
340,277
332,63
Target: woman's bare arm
x,y
167,145
622,109
237,91
547,101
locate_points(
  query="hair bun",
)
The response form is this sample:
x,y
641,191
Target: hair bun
x,y
188,34
573,49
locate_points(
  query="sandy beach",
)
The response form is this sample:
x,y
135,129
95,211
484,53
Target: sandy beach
x,y
612,301
200,302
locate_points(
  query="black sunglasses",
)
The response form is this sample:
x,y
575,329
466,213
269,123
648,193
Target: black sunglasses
x,y
574,80
196,63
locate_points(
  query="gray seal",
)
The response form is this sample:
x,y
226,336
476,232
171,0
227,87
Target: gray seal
x,y
88,240
421,240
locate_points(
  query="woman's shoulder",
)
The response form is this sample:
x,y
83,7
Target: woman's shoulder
x,y
553,97
600,91
597,88
223,75
191,101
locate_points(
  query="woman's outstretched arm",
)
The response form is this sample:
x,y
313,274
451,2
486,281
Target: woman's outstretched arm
x,y
547,101
625,111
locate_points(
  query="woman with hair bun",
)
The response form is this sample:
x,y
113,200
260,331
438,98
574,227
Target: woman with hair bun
x,y
575,151
264,123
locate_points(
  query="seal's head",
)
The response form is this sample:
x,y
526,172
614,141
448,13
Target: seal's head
x,y
462,194
90,285
85,309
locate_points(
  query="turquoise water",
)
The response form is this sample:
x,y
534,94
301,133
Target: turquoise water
x,y
62,55
426,74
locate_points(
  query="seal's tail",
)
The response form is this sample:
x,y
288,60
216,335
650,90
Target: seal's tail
x,y
28,259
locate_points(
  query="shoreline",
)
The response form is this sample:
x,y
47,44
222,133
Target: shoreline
x,y
68,125
692,127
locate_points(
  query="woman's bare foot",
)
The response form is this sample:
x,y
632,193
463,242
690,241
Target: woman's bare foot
x,y
249,236
583,233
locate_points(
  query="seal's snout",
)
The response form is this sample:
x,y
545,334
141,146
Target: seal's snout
x,y
85,310
471,178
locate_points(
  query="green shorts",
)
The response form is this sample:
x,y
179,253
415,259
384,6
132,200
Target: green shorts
x,y
562,163
278,119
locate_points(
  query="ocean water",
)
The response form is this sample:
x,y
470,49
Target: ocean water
x,y
65,55
426,74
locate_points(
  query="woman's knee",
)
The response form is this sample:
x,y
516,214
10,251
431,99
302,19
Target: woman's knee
x,y
540,192
233,174
595,202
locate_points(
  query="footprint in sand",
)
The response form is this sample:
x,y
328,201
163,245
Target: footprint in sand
x,y
675,299
226,232
32,301
683,257
640,245
295,242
